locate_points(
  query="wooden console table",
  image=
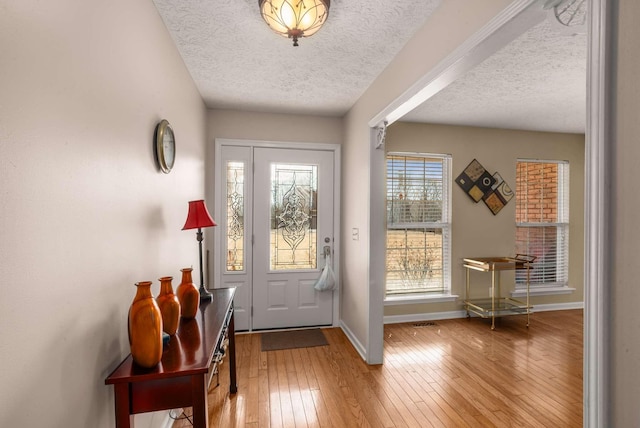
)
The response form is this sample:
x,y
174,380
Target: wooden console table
x,y
188,363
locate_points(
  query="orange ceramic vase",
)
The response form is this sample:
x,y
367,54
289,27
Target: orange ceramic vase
x,y
169,306
145,327
188,295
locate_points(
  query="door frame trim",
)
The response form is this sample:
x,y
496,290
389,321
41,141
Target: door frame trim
x,y
336,150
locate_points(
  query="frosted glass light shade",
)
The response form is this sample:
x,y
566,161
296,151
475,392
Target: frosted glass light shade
x,y
295,18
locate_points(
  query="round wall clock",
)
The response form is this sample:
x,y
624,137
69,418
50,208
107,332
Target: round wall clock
x,y
165,142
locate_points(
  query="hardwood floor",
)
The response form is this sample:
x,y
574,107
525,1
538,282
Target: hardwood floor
x,y
451,373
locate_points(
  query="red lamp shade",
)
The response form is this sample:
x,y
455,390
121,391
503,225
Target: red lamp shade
x,y
198,216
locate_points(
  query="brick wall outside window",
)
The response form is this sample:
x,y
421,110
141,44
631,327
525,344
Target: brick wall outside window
x,y
537,192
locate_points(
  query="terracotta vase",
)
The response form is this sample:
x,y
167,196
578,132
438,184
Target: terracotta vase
x,y
145,327
188,295
169,306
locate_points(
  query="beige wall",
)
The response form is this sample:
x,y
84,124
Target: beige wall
x,y
625,232
85,214
243,125
476,232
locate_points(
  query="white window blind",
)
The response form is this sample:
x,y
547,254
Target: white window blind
x,y
418,223
542,220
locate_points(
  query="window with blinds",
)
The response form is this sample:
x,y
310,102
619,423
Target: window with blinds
x,y
418,223
542,220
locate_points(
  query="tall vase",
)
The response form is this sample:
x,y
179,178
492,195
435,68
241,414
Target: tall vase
x,y
145,327
188,295
169,306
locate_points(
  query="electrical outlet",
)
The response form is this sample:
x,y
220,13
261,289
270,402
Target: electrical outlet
x,y
355,234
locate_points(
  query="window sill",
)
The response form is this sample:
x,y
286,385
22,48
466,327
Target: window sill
x,y
419,298
543,291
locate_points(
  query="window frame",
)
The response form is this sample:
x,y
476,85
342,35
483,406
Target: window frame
x,y
561,225
444,294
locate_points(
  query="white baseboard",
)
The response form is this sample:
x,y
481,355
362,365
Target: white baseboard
x,y
430,316
354,341
558,306
433,316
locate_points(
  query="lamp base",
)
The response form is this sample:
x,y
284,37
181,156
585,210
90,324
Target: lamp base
x,y
205,295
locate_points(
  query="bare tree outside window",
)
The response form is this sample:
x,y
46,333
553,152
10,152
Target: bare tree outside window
x,y
417,224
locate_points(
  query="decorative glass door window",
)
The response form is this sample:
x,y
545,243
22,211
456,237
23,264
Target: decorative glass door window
x,y
293,216
235,216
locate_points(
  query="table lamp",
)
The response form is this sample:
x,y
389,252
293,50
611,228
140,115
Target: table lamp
x,y
197,218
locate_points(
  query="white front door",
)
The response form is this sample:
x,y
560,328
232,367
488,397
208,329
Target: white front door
x,y
275,219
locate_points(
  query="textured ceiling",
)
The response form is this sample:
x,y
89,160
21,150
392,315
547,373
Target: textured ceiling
x,y
537,82
237,62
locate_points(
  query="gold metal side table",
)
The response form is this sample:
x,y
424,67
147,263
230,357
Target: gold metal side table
x,y
496,305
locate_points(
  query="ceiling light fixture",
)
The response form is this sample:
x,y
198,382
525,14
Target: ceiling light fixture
x,y
570,13
295,18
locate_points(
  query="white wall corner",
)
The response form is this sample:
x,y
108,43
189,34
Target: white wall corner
x,y
596,401
360,348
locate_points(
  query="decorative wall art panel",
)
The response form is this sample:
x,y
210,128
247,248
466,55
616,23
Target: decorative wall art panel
x,y
479,184
498,197
474,170
485,182
465,182
475,193
505,191
494,203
